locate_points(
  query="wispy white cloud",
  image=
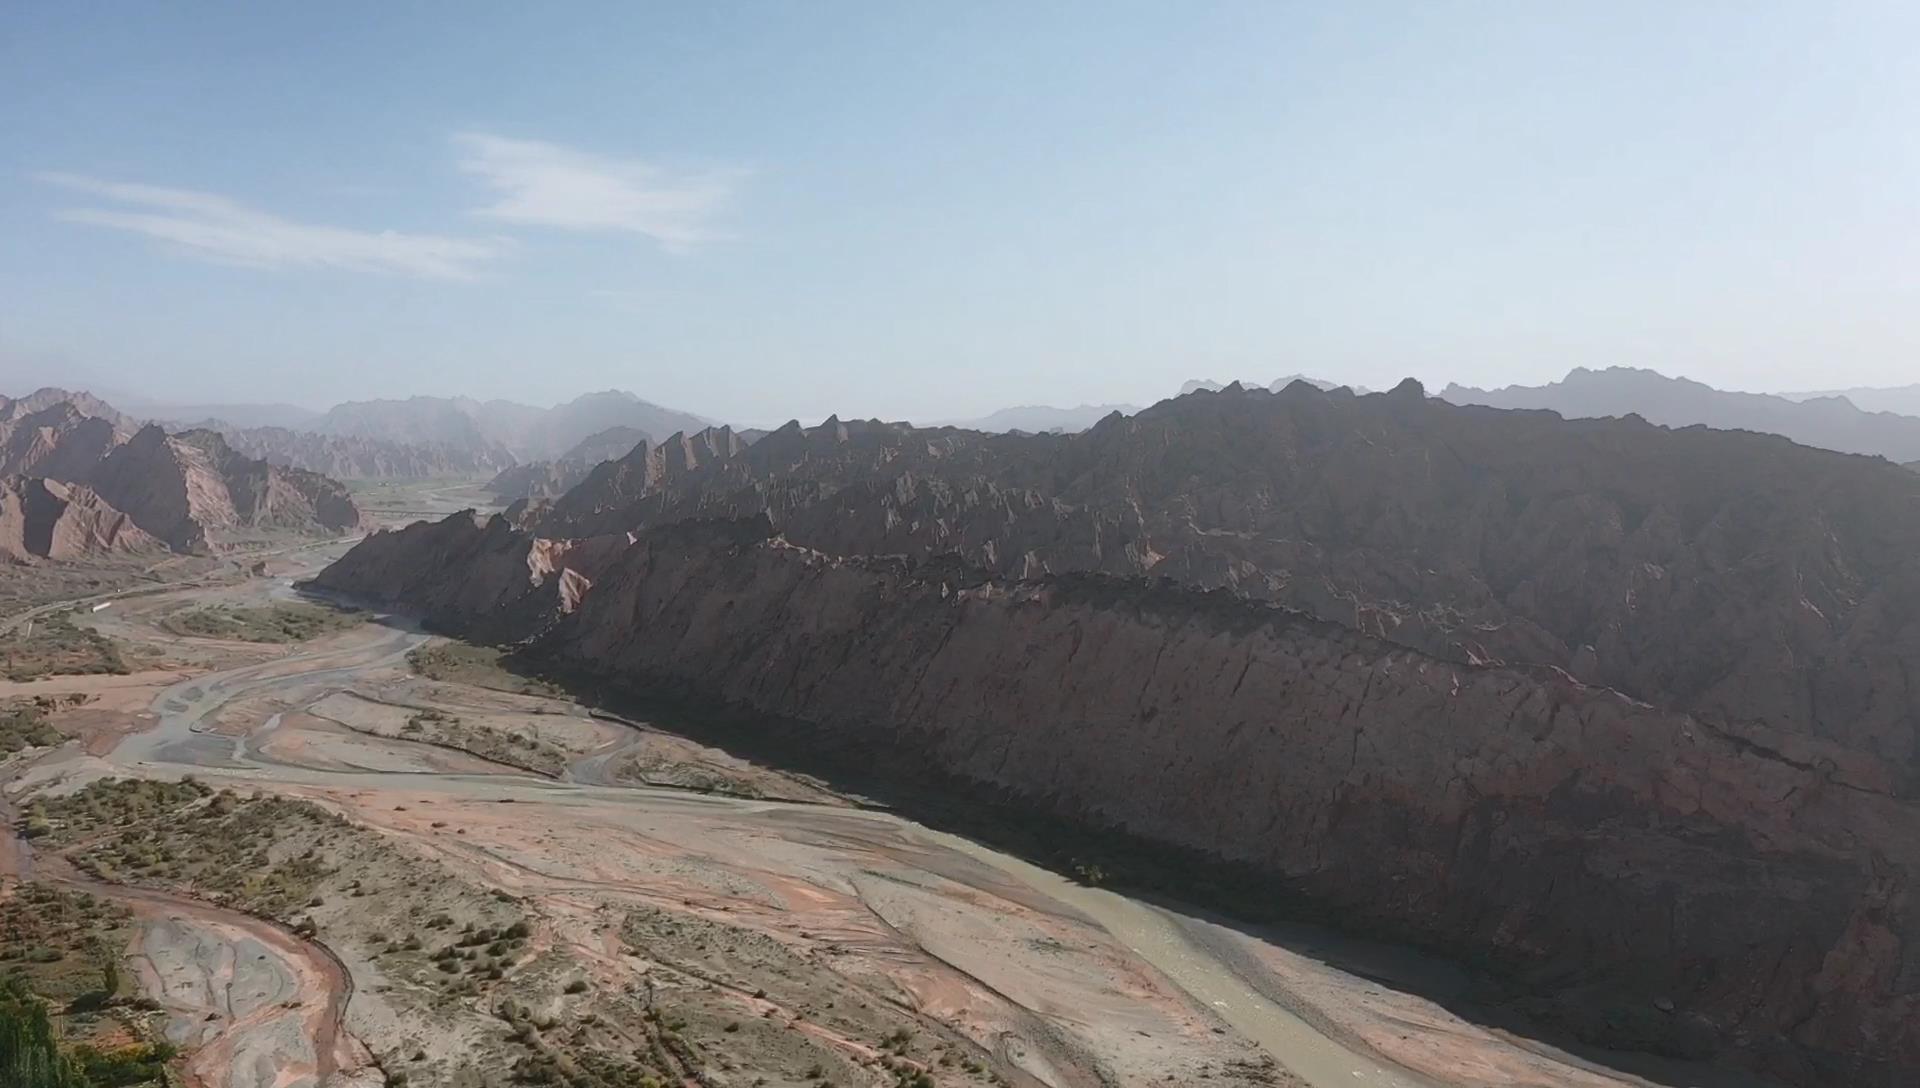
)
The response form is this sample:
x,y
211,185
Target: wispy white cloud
x,y
217,228
547,185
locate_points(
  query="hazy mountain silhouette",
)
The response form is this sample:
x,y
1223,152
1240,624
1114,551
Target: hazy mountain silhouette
x,y
1828,422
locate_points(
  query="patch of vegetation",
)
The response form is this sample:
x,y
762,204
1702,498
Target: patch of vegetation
x,y
64,1022
62,944
499,745
573,1056
30,1057
56,646
109,804
228,848
659,769
23,724
480,666
295,621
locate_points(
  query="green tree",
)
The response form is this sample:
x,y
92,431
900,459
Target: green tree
x,y
29,1057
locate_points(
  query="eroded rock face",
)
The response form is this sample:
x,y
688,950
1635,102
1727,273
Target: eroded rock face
x,y
551,479
480,576
57,441
45,519
190,491
1737,576
194,493
1625,709
1608,854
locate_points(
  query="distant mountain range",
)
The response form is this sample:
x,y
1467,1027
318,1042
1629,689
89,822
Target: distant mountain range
x,y
290,416
1047,419
1042,418
78,478
551,479
427,436
1209,385
415,437
1826,421
523,431
1901,399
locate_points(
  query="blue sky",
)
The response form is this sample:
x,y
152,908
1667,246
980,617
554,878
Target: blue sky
x,y
925,211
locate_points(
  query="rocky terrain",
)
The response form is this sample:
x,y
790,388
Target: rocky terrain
x,y
355,457
57,441
550,479
1828,421
195,493
84,403
46,519
1735,575
1619,709
78,484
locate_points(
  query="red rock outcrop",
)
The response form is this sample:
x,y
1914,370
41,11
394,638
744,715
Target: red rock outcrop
x,y
193,492
45,519
56,441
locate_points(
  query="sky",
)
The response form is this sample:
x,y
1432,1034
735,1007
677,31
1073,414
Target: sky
x,y
764,211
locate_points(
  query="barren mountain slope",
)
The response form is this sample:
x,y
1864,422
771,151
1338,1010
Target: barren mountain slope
x,y
58,441
551,479
1733,575
1427,747
193,492
43,519
1651,879
84,403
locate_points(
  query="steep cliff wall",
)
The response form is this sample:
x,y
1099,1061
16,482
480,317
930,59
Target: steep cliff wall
x,y
192,491
1655,879
45,519
1736,576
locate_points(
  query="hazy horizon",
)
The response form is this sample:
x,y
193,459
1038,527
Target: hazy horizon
x,y
762,213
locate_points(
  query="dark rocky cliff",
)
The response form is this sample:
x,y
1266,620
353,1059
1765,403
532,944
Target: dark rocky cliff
x,y
1615,859
1713,855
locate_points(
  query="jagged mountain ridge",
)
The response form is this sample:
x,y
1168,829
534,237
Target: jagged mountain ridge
x,y
84,404
1041,418
1825,421
1412,519
1471,583
195,493
1463,800
1208,385
549,479
57,441
46,519
84,476
1899,399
